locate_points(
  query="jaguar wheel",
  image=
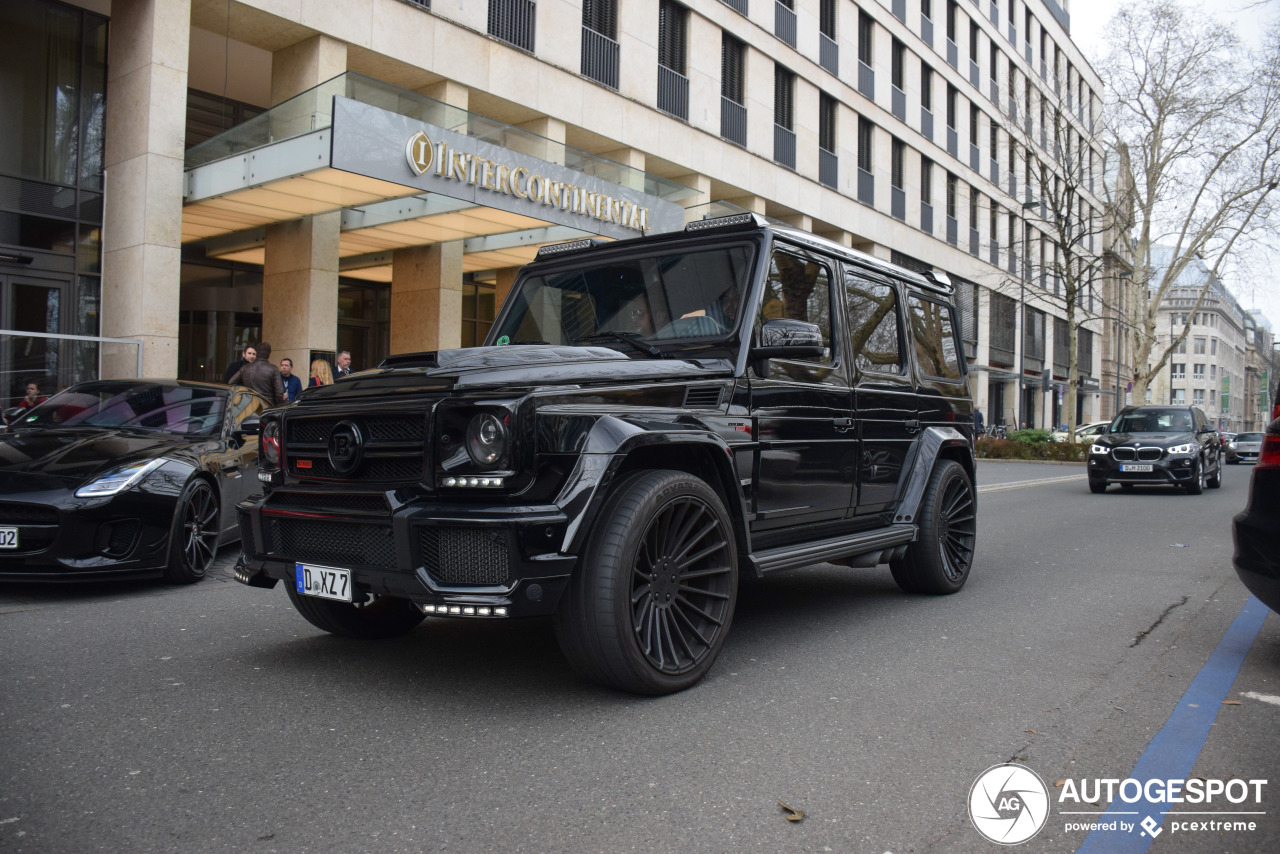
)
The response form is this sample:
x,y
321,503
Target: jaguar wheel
x,y
650,604
193,538
940,558
384,617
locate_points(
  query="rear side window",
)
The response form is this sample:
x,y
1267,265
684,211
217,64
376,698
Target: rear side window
x,y
873,325
937,350
799,288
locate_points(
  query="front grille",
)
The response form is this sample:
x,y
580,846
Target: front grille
x,y
28,514
1123,455
476,556
1150,455
339,501
332,542
394,447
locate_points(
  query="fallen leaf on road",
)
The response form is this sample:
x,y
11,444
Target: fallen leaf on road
x,y
1033,732
790,813
1230,702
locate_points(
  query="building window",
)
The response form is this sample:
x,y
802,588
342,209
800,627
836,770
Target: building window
x,y
866,76
866,181
478,312
1197,397
1197,372
673,50
784,137
1178,370
828,50
733,111
926,85
1178,395
1200,346
828,163
600,41
512,21
898,202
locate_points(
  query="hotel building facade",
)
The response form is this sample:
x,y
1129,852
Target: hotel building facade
x,y
180,178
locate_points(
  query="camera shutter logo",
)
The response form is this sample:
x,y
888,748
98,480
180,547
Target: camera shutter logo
x,y
346,447
1008,803
419,152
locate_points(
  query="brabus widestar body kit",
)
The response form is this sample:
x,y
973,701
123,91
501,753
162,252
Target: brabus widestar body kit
x,y
649,421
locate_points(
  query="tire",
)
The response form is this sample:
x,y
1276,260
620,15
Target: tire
x,y
1196,486
1097,488
939,560
623,624
384,617
1215,481
193,537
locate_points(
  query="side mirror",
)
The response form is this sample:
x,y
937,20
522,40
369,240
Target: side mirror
x,y
781,338
251,426
12,414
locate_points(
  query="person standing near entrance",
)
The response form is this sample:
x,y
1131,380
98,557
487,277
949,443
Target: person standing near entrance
x,y
250,353
979,424
292,385
320,374
261,376
343,363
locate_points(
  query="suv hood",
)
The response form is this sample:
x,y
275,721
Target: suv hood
x,y
73,456
515,366
1148,440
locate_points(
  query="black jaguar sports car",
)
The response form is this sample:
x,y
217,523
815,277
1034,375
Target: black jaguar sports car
x,y
125,478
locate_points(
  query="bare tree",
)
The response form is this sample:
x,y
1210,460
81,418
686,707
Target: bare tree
x,y
1062,231
1198,116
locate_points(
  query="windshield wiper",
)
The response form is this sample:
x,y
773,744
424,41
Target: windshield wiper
x,y
632,338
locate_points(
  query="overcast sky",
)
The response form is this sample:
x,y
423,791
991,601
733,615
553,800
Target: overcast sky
x,y
1251,19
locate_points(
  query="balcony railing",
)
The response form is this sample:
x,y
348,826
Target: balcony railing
x,y
673,93
953,54
993,89
828,169
898,203
899,104
599,58
784,23
926,218
953,142
926,123
975,242
736,5
900,10
953,231
995,171
828,54
1013,183
733,121
1012,34
866,80
995,253
512,21
926,30
975,75
784,146
975,158
866,187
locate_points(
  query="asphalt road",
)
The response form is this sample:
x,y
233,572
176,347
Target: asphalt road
x,y
212,718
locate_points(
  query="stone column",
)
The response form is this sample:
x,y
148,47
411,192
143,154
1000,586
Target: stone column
x,y
145,134
300,275
502,288
426,298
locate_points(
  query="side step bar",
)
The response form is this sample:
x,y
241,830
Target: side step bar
x,y
790,557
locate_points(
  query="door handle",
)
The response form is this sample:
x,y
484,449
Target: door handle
x,y
843,424
913,426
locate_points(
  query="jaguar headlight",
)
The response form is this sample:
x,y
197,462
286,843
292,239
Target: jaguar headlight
x,y
118,479
1099,449
487,440
1182,449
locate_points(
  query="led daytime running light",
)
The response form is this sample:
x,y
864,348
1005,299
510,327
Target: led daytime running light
x,y
118,479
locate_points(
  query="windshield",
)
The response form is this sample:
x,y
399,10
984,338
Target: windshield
x,y
1249,437
692,294
1154,421
164,408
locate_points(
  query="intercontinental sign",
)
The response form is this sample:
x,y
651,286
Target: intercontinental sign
x,y
380,144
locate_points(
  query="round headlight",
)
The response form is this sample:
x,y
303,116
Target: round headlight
x,y
486,440
270,444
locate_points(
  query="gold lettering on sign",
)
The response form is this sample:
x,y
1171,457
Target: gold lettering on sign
x,y
450,164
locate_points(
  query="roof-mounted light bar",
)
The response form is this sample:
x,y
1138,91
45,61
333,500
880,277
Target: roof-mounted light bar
x,y
571,246
732,221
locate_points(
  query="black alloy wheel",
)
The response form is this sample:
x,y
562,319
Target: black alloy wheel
x,y
1214,481
1196,485
939,560
652,601
193,539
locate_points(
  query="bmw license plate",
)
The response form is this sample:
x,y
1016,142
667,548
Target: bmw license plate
x,y
8,538
1136,467
325,582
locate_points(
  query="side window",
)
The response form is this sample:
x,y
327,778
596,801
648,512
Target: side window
x,y
244,404
873,325
799,288
937,350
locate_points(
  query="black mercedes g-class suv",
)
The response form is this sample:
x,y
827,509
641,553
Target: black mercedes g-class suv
x,y
648,421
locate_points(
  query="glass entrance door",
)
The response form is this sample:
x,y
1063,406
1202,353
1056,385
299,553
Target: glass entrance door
x,y
29,304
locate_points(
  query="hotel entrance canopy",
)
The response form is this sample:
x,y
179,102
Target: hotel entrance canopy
x,y
407,170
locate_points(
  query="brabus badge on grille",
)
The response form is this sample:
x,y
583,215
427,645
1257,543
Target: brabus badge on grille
x,y
346,447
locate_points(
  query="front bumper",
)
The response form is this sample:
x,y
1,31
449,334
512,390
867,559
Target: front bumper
x,y
1177,470
431,553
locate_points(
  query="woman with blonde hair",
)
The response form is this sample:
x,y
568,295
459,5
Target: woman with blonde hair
x,y
320,374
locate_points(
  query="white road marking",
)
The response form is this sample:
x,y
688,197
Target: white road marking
x,y
1266,698
997,487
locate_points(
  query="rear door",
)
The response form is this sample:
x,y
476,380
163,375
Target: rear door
x,y
884,395
801,410
942,391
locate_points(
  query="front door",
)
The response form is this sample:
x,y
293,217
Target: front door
x,y
802,409
32,304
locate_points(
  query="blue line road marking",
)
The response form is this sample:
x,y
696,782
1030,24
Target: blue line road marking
x,y
1173,752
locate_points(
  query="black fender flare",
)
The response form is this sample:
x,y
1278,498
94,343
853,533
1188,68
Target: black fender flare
x,y
607,448
924,456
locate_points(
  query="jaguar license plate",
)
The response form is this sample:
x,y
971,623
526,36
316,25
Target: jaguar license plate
x,y
325,582
1136,467
8,538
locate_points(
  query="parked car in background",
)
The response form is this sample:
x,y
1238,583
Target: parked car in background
x,y
1245,446
1154,445
1256,531
126,478
1084,433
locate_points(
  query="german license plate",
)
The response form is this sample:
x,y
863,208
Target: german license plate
x,y
8,538
325,582
1136,467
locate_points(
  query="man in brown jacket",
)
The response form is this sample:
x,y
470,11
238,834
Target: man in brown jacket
x,y
261,376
